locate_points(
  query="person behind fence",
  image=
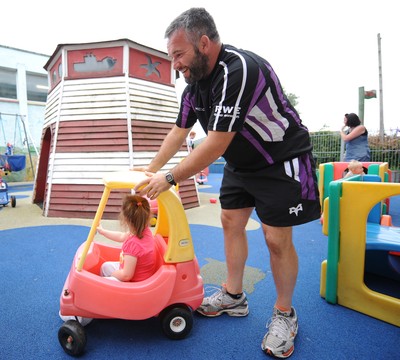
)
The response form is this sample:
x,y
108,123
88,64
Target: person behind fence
x,y
240,104
9,149
355,167
355,136
190,140
137,259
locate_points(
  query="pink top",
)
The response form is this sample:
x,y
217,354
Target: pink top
x,y
144,250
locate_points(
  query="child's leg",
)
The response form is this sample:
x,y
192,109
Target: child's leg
x,y
108,268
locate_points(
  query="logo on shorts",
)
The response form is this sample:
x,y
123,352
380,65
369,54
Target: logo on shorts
x,y
296,209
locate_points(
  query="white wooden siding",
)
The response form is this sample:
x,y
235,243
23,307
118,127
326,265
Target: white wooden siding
x,y
90,168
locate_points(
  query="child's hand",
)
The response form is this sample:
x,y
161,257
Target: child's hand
x,y
100,229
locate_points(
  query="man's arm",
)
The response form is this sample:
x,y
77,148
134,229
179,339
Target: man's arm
x,y
169,147
202,156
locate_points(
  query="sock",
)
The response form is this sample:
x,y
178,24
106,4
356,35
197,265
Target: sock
x,y
287,312
234,296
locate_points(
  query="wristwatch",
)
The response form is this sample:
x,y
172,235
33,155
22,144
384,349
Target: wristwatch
x,y
170,178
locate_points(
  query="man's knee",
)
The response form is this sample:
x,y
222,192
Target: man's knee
x,y
278,239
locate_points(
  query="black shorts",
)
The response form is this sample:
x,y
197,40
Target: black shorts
x,y
285,194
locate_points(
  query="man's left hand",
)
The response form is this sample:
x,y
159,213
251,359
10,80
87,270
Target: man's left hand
x,y
152,186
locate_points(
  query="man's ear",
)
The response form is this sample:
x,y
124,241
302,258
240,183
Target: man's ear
x,y
204,44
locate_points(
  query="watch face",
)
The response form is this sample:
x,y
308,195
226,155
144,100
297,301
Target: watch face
x,y
170,178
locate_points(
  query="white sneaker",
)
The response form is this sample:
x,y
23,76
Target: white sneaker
x,y
221,302
282,329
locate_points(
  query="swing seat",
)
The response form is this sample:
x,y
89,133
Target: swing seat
x,y
13,162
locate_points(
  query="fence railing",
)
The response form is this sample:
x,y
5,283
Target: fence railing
x,y
328,146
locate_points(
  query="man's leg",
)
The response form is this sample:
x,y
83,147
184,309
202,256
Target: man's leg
x,y
230,298
284,263
283,326
236,248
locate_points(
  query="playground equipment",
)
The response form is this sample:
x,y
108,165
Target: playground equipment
x,y
21,137
351,232
9,163
331,171
5,199
171,293
202,176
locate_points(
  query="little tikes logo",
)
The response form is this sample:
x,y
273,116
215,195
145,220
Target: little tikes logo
x,y
226,111
296,209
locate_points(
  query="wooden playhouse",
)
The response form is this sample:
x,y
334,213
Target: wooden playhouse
x,y
109,107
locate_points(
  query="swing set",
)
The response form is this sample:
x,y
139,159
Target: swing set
x,y
9,161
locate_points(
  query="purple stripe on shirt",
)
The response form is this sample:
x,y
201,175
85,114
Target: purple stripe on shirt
x,y
257,145
265,107
258,90
186,109
280,94
261,125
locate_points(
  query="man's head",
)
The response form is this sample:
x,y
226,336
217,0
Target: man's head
x,y
196,22
193,44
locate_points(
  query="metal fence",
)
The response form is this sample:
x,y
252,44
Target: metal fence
x,y
328,146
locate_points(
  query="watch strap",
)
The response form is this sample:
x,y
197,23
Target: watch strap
x,y
170,178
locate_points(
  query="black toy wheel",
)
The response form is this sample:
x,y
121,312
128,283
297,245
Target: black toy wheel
x,y
13,201
177,322
72,337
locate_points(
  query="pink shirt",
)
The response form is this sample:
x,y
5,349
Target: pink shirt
x,y
144,250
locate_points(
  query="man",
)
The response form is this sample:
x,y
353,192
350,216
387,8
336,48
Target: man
x,y
239,102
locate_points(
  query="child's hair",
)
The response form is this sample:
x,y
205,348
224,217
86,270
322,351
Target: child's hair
x,y
135,214
354,164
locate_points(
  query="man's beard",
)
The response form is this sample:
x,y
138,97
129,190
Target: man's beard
x,y
198,68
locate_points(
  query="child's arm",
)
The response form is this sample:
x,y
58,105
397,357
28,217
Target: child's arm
x,y
126,274
117,236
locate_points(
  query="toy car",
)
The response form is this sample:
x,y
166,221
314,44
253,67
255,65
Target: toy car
x,y
171,293
201,177
4,197
154,210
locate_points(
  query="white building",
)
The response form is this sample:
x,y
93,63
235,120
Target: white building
x,y
23,94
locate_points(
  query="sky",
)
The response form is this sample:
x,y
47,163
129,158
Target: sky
x,y
322,51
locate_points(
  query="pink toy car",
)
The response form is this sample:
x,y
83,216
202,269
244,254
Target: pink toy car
x,y
171,293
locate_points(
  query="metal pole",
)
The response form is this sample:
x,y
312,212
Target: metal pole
x,y
341,149
361,95
27,144
381,124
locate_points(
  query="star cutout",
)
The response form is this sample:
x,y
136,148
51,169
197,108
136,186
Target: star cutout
x,y
151,67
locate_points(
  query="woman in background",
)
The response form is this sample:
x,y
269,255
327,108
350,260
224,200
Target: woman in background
x,y
355,136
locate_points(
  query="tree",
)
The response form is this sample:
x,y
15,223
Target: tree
x,y
292,98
